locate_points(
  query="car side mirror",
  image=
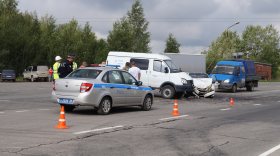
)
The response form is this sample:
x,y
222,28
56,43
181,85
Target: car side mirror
x,y
166,70
139,83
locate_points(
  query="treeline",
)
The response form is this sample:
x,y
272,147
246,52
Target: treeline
x,y
27,40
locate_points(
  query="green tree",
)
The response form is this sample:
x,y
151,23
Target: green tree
x,y
222,48
262,44
130,33
172,45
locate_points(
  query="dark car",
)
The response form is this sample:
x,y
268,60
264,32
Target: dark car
x,y
8,75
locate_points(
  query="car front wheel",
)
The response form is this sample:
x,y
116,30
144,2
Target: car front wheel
x,y
147,104
105,106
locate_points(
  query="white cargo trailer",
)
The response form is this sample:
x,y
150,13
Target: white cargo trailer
x,y
191,63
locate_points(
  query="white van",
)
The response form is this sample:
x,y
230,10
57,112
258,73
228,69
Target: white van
x,y
157,71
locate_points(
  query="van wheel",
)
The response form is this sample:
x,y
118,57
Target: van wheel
x,y
234,88
250,87
148,102
105,106
167,92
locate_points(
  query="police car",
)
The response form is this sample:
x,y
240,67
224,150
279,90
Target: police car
x,y
102,88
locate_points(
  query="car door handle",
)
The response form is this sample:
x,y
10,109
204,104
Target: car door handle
x,y
112,87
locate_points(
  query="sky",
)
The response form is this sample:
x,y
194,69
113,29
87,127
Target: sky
x,y
194,23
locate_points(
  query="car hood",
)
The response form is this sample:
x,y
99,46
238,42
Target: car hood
x,y
202,82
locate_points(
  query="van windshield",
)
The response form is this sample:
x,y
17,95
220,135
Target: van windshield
x,y
173,68
223,70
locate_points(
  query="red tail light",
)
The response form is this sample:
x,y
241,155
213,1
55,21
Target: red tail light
x,y
85,87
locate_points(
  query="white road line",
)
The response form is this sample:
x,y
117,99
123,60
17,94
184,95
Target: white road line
x,y
225,109
21,111
270,151
278,101
257,104
175,117
44,109
96,130
4,100
2,112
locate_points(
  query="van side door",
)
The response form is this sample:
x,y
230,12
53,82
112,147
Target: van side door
x,y
159,74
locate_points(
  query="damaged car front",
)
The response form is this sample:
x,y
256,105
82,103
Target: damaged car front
x,y
203,86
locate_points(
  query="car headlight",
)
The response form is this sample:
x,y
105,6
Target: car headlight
x,y
184,81
226,81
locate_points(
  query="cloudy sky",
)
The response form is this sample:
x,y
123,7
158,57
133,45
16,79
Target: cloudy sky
x,y
194,23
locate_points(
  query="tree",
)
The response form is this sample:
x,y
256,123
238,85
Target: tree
x,y
130,33
140,35
172,46
262,44
222,48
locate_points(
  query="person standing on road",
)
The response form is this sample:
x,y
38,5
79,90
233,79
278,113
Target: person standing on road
x,y
50,74
127,66
67,66
135,71
55,67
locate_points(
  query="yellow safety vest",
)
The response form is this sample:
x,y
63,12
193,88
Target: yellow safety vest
x,y
55,70
75,66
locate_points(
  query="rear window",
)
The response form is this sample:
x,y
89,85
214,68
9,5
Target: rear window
x,y
42,68
85,73
8,71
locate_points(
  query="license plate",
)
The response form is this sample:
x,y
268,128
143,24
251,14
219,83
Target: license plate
x,y
65,101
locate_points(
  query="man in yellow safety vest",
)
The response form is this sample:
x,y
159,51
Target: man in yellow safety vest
x,y
55,67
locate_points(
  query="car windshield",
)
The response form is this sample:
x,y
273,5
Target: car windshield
x,y
85,73
198,75
8,71
223,70
173,68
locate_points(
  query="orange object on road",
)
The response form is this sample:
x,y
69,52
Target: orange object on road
x,y
61,121
175,108
231,102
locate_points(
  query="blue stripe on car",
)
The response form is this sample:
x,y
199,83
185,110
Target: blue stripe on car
x,y
108,85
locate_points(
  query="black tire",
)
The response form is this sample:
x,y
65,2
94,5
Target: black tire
x,y
234,88
250,87
14,80
68,108
147,104
167,92
105,106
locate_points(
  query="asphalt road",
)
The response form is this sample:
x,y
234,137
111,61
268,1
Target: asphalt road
x,y
205,127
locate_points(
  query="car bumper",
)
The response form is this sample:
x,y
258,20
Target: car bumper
x,y
83,99
184,88
224,86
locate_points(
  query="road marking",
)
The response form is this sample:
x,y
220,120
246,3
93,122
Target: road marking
x,y
21,111
44,109
2,112
225,109
96,130
257,104
4,100
175,117
278,101
270,151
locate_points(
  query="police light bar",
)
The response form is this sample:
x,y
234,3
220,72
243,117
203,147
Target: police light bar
x,y
112,65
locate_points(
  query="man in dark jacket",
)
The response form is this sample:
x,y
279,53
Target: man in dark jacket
x,y
67,66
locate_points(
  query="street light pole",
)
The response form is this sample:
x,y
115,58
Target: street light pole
x,y
231,26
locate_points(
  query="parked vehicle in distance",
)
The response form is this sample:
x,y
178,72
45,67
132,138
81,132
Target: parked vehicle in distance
x,y
9,75
235,74
203,85
102,88
36,73
157,71
191,63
